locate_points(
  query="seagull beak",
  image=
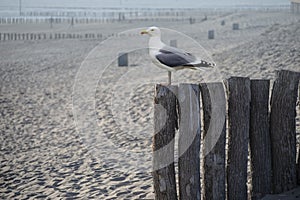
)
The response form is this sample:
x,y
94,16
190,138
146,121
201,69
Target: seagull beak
x,y
144,32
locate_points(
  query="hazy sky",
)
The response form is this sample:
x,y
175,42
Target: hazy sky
x,y
139,3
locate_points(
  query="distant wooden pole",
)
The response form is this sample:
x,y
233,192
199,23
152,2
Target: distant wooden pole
x,y
283,130
214,113
165,124
211,34
123,59
260,143
235,26
189,142
239,117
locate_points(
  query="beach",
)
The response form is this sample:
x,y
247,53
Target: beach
x,y
53,147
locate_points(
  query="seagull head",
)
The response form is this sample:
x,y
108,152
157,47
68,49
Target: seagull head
x,y
152,31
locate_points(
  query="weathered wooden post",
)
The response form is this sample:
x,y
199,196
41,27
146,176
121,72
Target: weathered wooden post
x,y
165,124
238,119
283,130
123,59
260,144
298,163
72,22
214,113
211,34
189,142
235,26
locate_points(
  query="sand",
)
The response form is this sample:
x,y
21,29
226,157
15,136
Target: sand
x,y
46,153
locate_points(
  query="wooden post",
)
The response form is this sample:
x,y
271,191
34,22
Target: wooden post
x,y
298,163
283,130
123,59
189,142
235,26
211,34
165,123
260,143
214,113
238,119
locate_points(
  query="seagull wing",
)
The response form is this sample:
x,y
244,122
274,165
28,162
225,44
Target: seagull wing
x,y
176,58
173,57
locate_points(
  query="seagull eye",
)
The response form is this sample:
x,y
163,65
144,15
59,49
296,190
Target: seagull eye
x,y
152,30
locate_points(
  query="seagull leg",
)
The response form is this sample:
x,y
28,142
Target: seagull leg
x,y
170,76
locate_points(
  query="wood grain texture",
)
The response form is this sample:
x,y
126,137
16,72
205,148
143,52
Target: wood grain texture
x,y
214,113
260,144
165,123
189,142
283,130
239,117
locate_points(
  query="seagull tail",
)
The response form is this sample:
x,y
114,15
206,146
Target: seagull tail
x,y
201,65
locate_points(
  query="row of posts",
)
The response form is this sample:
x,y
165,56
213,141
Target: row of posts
x,y
261,125
73,20
106,14
54,20
211,33
44,36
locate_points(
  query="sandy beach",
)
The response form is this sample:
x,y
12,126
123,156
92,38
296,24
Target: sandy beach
x,y
47,151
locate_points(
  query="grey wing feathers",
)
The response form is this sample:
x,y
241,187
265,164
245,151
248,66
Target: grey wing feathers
x,y
173,57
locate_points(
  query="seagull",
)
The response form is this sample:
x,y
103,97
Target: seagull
x,y
171,58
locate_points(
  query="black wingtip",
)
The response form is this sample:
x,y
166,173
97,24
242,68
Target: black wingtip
x,y
205,64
